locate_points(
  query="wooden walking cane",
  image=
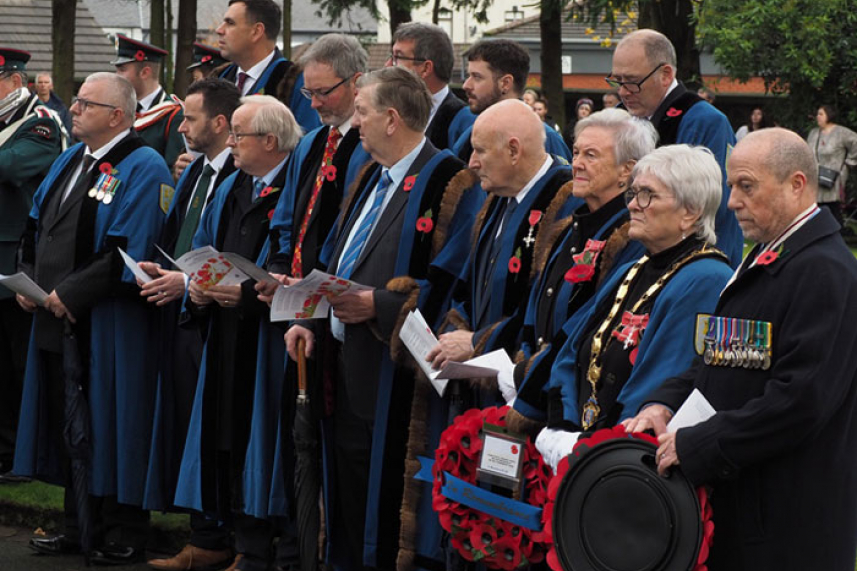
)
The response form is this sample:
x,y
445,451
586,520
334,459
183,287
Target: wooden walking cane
x,y
302,396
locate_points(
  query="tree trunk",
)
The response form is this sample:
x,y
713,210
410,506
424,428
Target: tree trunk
x,y
400,12
156,27
186,35
287,28
673,19
62,35
550,30
435,12
167,68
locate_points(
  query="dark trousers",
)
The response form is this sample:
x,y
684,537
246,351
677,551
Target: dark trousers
x,y
15,324
112,522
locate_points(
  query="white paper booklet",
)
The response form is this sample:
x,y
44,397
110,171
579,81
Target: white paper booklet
x,y
694,410
419,339
207,267
307,299
131,264
22,284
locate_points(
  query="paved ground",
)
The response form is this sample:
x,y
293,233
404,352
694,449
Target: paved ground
x,y
15,555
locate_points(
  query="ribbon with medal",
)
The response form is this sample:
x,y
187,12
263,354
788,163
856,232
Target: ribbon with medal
x,y
106,185
734,342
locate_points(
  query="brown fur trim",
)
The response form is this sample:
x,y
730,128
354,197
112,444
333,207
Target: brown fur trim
x,y
417,444
517,422
480,220
286,85
485,382
545,240
352,191
463,180
455,319
406,285
562,196
615,244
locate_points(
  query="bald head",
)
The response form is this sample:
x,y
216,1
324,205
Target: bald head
x,y
784,153
508,147
656,46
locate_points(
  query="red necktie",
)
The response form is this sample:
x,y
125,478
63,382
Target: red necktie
x,y
242,79
325,170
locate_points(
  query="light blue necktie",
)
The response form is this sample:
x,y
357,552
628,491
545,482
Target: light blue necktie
x,y
352,253
258,187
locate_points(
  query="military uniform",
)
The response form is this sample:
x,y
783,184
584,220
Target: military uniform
x,y
206,59
158,124
30,141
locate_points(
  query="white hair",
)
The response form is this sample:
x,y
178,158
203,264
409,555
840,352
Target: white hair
x,y
272,116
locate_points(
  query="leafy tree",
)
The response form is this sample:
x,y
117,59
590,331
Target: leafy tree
x,y
803,48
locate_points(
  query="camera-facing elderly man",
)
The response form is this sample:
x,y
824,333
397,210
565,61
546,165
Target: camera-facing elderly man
x,y
103,194
775,365
404,231
644,75
212,478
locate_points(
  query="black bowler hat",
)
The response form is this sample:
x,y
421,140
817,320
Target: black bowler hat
x,y
13,60
204,55
614,512
129,49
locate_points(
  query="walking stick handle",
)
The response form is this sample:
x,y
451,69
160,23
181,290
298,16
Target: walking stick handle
x,y
302,396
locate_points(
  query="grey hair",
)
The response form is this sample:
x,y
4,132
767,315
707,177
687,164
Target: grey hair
x,y
121,92
431,43
658,48
693,176
343,53
272,116
632,138
402,90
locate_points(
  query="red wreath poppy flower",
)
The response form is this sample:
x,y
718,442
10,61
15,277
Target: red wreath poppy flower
x,y
767,258
106,168
495,415
673,112
483,535
330,173
514,265
140,55
205,59
508,555
270,214
425,225
409,183
2,60
580,273
461,542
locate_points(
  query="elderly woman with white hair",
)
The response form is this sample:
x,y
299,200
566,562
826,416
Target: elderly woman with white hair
x,y
640,327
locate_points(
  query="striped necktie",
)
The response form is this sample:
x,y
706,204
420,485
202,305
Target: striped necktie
x,y
352,253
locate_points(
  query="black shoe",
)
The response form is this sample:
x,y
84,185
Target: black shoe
x,y
10,478
113,554
57,545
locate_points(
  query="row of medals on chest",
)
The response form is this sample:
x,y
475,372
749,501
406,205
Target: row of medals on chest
x,y
738,343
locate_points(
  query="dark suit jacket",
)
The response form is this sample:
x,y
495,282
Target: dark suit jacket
x,y
438,130
375,267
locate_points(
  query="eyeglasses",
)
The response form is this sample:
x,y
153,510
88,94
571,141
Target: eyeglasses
x,y
239,136
84,103
321,93
643,195
396,57
632,86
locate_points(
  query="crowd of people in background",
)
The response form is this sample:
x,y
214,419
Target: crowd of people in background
x,y
643,251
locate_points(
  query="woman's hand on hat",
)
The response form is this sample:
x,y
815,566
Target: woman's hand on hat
x,y
654,417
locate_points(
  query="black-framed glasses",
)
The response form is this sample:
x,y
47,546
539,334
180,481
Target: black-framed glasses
x,y
632,86
84,103
395,58
321,93
643,195
239,136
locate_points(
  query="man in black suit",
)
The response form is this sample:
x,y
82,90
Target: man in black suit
x,y
404,232
427,50
100,195
208,111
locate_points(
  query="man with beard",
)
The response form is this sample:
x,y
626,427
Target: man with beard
x,y
497,70
208,111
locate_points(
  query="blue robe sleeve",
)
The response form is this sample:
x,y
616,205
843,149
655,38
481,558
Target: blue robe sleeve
x,y
301,108
555,145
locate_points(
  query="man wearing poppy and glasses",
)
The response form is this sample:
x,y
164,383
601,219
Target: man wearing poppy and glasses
x,y
158,114
30,140
644,75
99,196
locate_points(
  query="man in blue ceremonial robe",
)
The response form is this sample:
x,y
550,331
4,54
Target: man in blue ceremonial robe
x,y
103,194
208,111
427,50
644,68
497,70
213,477
403,231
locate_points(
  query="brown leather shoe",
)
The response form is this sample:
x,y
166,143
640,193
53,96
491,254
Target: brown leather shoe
x,y
234,566
194,558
